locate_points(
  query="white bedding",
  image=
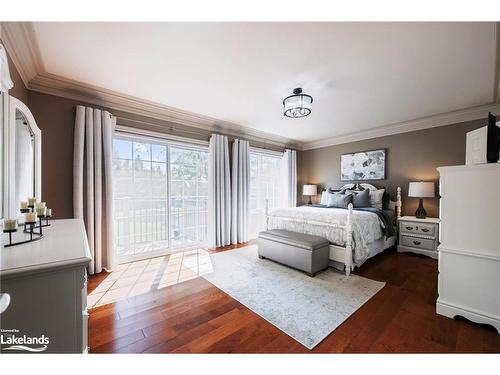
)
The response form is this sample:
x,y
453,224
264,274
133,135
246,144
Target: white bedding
x,y
329,223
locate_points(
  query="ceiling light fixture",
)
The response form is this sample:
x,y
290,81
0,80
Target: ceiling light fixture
x,y
297,105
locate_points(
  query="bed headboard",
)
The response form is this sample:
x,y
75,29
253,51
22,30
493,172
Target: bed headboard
x,y
363,185
393,205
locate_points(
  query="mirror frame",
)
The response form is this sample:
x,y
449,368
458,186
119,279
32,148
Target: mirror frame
x,y
10,209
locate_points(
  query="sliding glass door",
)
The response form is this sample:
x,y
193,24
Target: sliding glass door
x,y
160,197
188,196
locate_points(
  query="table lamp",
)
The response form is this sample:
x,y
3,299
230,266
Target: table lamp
x,y
310,190
421,190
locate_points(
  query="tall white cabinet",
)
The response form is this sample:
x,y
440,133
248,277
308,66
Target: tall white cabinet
x,y
469,250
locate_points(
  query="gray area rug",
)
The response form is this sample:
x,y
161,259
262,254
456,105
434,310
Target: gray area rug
x,y
307,309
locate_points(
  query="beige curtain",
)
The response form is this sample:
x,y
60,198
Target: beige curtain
x,y
92,183
240,191
219,192
290,177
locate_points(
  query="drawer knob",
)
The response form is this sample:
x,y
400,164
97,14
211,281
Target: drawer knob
x,y
425,230
417,242
4,301
409,228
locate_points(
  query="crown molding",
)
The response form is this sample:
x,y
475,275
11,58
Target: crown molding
x,y
20,42
443,119
55,85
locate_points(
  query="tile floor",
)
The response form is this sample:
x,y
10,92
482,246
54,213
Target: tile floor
x,y
131,279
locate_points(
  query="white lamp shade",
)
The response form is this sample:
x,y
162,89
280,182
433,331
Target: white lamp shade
x,y
309,190
421,189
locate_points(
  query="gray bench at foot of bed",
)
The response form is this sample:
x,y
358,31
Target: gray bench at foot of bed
x,y
301,251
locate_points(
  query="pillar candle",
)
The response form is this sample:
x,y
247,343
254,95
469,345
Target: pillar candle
x,y
24,205
10,224
48,213
32,201
30,217
40,211
40,205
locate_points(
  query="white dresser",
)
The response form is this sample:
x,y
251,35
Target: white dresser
x,y
469,250
47,284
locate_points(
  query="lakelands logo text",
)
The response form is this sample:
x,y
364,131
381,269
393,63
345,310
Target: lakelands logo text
x,y
11,340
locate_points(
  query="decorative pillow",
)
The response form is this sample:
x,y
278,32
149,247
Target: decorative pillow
x,y
386,201
339,200
361,199
376,198
324,197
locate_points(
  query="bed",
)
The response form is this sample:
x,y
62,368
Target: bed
x,y
355,235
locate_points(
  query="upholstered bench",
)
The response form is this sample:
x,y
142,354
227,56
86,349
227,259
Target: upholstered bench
x,y
297,250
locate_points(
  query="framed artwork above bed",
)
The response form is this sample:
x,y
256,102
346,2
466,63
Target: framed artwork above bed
x,y
363,166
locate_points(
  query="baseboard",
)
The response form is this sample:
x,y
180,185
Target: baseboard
x,y
451,311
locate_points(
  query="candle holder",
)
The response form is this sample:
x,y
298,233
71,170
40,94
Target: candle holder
x,y
10,231
39,226
30,232
46,219
37,221
25,210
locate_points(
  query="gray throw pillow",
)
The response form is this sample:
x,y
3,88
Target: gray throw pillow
x,y
324,197
339,200
361,199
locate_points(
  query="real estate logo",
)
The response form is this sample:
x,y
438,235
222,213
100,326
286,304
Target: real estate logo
x,y
12,340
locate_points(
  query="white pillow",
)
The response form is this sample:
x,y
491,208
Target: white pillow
x,y
324,198
376,197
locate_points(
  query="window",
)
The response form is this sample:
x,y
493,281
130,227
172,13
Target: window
x,y
265,184
148,175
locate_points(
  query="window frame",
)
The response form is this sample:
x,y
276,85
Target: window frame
x,y
167,141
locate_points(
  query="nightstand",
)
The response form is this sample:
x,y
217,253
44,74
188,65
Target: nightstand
x,y
419,236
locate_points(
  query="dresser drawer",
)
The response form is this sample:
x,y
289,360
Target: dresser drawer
x,y
420,243
419,228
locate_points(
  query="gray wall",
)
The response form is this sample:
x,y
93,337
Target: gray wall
x,y
410,156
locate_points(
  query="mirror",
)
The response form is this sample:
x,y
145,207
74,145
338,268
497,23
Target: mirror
x,y
22,157
25,159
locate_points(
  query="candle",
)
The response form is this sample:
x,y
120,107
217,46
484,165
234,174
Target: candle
x,y
30,217
40,205
32,201
48,213
10,225
40,211
24,205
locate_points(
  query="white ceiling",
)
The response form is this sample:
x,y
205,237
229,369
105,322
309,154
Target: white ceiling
x,y
361,75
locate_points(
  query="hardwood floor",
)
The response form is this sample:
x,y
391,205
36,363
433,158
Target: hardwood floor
x,y
196,317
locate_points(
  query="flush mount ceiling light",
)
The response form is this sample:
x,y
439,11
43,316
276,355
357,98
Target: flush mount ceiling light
x,y
297,105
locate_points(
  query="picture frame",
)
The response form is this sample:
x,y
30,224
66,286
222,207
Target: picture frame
x,y
364,165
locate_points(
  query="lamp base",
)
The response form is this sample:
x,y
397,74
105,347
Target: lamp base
x,y
420,213
310,201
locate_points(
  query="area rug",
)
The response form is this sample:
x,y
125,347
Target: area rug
x,y
306,308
